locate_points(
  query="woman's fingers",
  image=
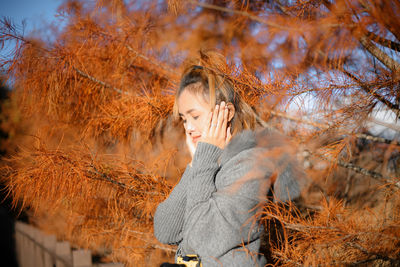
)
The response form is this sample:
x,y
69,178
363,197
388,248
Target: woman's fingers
x,y
225,121
208,125
222,121
216,128
214,121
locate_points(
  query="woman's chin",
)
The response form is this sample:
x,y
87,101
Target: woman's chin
x,y
196,140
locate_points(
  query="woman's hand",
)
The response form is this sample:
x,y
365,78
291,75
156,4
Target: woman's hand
x,y
216,131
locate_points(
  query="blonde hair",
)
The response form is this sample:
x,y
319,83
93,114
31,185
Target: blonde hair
x,y
205,76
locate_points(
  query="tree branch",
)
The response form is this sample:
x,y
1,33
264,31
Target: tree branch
x,y
368,253
104,84
322,126
387,61
152,244
390,63
387,125
394,107
375,175
238,12
149,60
390,27
104,177
347,165
383,41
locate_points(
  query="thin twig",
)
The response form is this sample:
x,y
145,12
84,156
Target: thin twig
x,y
297,119
376,139
325,127
386,60
163,248
362,262
347,236
300,227
149,60
358,169
309,122
104,177
137,232
111,87
394,107
347,165
239,12
368,253
385,124
149,242
384,42
104,84
281,257
347,189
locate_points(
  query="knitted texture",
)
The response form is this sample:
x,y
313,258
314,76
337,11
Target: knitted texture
x,y
210,211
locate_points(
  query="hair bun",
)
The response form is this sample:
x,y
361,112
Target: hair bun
x,y
210,60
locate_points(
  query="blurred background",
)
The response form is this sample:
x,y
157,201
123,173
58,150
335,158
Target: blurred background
x,y
90,146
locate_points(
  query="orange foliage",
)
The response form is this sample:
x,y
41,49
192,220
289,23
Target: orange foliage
x,y
93,148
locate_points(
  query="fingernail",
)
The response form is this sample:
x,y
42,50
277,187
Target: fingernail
x,y
216,106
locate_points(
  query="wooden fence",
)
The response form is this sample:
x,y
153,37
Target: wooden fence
x,y
36,249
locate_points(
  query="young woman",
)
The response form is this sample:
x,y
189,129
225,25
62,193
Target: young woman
x,y
209,212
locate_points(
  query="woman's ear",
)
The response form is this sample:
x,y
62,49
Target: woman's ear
x,y
231,109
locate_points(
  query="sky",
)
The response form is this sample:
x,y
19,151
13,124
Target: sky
x,y
35,12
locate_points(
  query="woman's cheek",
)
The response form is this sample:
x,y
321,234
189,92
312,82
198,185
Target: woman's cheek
x,y
203,124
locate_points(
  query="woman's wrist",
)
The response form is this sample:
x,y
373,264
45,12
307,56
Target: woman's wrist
x,y
205,155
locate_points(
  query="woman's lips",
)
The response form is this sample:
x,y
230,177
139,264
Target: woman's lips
x,y
195,138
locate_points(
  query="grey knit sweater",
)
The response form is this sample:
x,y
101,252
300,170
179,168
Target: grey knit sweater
x,y
210,211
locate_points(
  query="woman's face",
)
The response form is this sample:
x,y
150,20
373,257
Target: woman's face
x,y
193,109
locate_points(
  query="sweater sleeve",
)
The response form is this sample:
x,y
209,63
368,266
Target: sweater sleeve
x,y
204,167
220,220
170,214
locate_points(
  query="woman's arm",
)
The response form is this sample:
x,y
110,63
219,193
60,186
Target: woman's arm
x,y
219,221
204,167
170,214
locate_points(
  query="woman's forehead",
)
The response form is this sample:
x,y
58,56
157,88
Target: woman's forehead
x,y
190,101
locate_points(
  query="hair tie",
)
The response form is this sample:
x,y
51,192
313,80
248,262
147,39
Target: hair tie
x,y
197,67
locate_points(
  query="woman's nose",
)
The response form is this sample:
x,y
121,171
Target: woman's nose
x,y
189,126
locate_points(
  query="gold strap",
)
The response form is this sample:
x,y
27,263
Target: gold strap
x,y
189,260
